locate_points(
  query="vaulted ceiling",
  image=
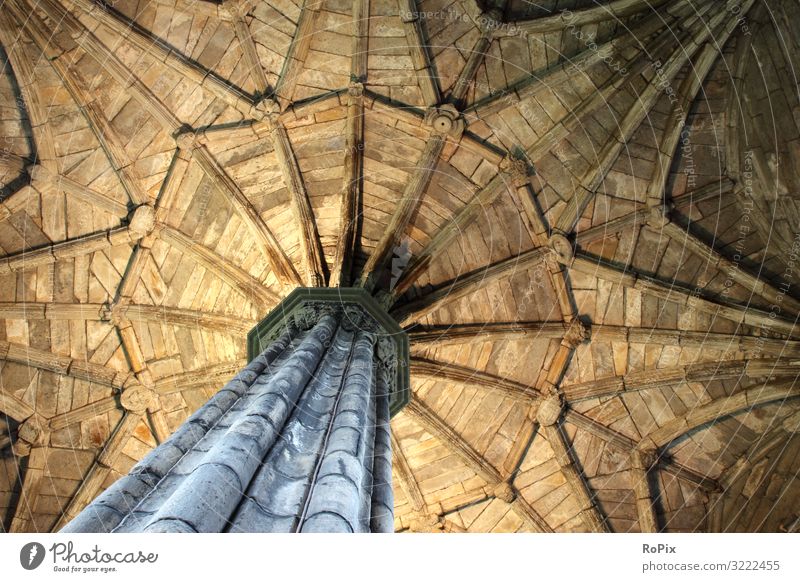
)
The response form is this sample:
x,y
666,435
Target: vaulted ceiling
x,y
582,212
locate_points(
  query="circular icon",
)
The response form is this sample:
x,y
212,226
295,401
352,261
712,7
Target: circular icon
x,y
31,555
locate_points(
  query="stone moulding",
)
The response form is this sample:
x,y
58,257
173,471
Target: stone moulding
x,y
304,305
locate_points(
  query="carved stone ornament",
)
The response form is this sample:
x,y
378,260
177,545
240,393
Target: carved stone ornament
x,y
265,109
358,311
562,248
549,410
136,398
446,120
576,333
504,492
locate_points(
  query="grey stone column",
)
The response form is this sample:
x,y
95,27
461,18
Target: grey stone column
x,y
298,441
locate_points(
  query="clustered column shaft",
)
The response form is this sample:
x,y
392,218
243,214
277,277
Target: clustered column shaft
x,y
298,441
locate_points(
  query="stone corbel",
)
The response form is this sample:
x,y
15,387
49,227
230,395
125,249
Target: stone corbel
x,y
446,120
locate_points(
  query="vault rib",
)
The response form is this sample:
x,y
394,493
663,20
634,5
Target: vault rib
x,y
683,296
455,289
149,44
86,103
270,247
298,51
252,289
420,54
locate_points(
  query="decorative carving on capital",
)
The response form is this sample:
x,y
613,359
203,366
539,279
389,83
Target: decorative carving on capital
x,y
143,221
561,247
357,311
550,410
446,120
136,398
576,333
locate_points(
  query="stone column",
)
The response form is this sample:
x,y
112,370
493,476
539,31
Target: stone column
x,y
298,441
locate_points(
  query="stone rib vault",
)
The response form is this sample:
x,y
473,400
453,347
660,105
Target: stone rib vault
x,y
583,215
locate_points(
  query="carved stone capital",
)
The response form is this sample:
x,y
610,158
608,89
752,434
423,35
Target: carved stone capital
x,y
446,120
143,220
561,247
136,398
550,410
576,333
357,311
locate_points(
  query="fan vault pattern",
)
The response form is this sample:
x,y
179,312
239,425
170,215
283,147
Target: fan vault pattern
x,y
581,212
